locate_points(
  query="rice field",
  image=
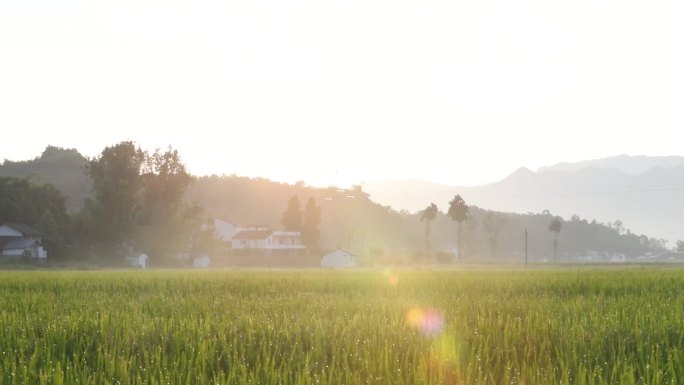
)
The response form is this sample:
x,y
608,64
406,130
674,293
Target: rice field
x,y
573,326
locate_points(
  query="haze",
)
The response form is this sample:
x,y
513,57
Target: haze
x,y
344,92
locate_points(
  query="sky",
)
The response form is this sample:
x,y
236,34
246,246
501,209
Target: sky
x,y
345,92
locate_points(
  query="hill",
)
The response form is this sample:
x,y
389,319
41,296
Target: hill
x,y
647,202
60,167
632,165
352,218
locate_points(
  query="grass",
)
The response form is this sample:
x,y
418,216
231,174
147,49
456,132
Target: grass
x,y
573,326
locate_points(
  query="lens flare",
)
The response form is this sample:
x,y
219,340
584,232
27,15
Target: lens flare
x,y
428,321
443,363
392,278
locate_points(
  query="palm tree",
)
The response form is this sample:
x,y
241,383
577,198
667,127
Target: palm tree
x,y
428,215
459,212
555,226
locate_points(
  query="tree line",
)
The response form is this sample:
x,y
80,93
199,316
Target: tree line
x,y
147,201
486,232
138,204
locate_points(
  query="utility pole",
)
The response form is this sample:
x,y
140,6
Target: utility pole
x,y
525,247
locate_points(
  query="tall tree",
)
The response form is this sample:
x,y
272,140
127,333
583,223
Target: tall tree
x,y
428,215
166,219
555,226
459,213
292,216
312,219
116,177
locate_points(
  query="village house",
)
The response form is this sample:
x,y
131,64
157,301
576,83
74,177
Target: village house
x,y
339,259
137,260
17,240
258,239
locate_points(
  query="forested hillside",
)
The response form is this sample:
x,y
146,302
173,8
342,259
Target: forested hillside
x,y
350,219
60,167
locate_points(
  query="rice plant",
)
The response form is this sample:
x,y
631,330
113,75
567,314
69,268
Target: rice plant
x,y
582,326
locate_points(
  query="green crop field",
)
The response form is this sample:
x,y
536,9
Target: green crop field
x,y
574,326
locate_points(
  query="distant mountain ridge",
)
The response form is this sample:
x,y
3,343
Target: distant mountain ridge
x,y
645,193
633,165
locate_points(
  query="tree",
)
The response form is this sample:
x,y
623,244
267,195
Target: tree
x,y
116,177
312,218
42,207
555,226
167,222
292,216
459,213
428,215
618,226
680,246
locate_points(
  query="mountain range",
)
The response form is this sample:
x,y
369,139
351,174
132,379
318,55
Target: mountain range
x,y
645,194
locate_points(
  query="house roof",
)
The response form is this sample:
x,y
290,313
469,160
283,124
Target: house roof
x,y
19,244
340,251
252,235
24,229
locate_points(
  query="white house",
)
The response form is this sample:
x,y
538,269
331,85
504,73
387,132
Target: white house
x,y
339,259
20,240
251,239
138,260
268,240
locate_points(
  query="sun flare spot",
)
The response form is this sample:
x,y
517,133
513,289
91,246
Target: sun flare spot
x,y
392,278
428,321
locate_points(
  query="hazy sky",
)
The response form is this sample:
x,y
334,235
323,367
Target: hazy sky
x,y
337,92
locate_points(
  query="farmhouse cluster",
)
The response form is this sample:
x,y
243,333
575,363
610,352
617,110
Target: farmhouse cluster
x,y
249,245
262,241
260,246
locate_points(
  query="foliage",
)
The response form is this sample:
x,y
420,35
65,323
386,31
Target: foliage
x,y
140,205
42,207
117,180
486,327
556,225
166,220
292,216
428,215
458,212
62,168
